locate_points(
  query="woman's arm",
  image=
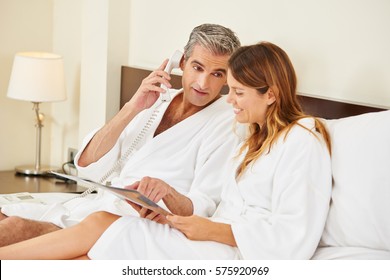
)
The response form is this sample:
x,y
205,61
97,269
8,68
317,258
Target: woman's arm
x,y
70,243
202,229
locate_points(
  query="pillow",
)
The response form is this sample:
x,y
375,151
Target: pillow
x,y
359,215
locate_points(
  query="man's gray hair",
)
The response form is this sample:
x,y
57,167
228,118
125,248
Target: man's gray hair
x,y
219,40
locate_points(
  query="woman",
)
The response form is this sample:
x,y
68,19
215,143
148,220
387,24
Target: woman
x,y
275,199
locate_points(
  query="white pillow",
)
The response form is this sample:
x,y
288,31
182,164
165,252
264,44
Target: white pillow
x,y
359,215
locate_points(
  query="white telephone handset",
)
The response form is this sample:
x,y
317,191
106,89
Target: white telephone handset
x,y
174,62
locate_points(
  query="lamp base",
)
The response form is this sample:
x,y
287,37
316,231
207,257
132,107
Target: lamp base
x,y
31,170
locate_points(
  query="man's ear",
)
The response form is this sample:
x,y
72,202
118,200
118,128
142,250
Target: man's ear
x,y
182,62
271,96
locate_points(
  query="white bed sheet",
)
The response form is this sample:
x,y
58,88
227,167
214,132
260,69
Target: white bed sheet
x,y
350,253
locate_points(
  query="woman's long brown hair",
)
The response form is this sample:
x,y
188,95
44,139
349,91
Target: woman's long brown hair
x,y
263,66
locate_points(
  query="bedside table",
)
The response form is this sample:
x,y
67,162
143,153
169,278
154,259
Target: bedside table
x,y
10,182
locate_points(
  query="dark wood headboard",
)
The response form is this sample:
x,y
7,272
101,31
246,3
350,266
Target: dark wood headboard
x,y
328,109
331,109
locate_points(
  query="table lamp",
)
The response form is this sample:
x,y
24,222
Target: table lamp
x,y
37,77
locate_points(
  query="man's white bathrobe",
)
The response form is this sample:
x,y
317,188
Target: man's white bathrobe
x,y
188,156
277,210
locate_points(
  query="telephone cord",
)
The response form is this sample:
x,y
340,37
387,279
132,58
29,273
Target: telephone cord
x,y
125,156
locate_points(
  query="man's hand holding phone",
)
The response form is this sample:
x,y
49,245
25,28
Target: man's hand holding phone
x,y
150,89
156,84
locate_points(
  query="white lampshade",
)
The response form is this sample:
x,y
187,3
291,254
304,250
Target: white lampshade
x,y
37,77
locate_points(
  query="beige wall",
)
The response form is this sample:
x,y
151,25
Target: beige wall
x,y
105,34
340,49
24,26
92,36
67,42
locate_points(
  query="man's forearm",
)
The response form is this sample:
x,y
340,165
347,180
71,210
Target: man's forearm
x,y
179,204
106,137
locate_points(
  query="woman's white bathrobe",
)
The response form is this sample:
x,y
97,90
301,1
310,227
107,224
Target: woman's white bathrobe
x,y
188,156
277,210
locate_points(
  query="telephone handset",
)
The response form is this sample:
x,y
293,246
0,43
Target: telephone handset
x,y
174,62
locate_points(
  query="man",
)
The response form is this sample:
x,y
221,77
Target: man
x,y
169,151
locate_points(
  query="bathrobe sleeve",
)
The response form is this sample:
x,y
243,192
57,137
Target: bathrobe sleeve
x,y
96,170
301,188
214,155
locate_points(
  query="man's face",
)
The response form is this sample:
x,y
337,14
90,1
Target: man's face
x,y
204,75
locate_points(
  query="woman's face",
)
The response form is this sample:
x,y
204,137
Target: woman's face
x,y
249,105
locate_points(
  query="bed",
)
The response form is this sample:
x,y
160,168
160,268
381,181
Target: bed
x,y
358,225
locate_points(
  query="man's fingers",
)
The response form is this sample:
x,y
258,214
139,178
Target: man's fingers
x,y
133,186
163,65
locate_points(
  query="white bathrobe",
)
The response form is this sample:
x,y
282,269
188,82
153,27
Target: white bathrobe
x,y
277,210
188,156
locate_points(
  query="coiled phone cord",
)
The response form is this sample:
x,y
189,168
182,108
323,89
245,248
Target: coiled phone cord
x,y
125,156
